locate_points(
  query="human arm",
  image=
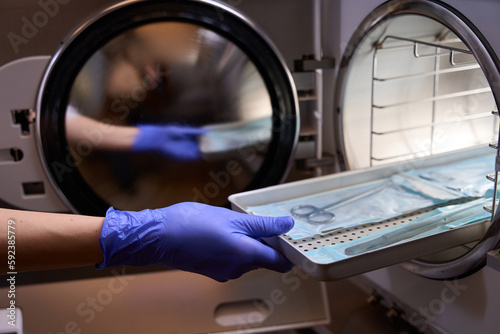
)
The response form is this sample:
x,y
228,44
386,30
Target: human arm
x,y
176,142
212,241
49,240
98,134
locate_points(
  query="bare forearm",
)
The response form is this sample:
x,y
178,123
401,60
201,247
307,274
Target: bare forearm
x,y
47,240
101,135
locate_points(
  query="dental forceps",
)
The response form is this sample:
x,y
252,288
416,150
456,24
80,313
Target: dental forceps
x,y
317,215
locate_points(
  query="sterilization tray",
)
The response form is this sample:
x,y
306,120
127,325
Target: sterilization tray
x,y
297,250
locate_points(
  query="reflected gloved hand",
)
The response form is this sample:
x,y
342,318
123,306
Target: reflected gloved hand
x,y
177,142
212,241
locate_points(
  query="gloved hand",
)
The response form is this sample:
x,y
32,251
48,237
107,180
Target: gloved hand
x,y
179,143
212,241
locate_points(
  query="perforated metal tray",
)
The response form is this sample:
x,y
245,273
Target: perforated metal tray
x,y
297,250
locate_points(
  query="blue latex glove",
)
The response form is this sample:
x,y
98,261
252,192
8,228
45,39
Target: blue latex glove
x,y
176,142
212,241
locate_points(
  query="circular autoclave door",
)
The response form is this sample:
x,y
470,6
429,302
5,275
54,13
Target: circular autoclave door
x,y
417,80
157,102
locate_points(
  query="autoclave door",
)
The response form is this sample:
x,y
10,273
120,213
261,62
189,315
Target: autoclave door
x,y
416,112
165,66
162,63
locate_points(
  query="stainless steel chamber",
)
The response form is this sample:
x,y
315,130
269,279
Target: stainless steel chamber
x,y
416,88
420,79
403,99
421,301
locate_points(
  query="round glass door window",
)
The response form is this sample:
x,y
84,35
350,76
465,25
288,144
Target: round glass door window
x,y
157,103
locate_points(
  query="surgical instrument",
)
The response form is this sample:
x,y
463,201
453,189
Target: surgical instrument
x,y
319,215
417,228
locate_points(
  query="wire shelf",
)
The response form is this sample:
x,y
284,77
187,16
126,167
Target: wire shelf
x,y
446,58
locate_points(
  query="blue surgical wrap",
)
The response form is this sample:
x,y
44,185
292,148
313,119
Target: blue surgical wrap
x,y
392,197
235,136
440,220
396,195
467,176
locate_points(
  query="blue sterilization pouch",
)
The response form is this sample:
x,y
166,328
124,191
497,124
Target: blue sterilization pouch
x,y
436,221
373,202
467,177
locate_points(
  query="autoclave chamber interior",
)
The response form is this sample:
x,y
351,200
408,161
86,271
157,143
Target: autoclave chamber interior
x,y
417,80
415,90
